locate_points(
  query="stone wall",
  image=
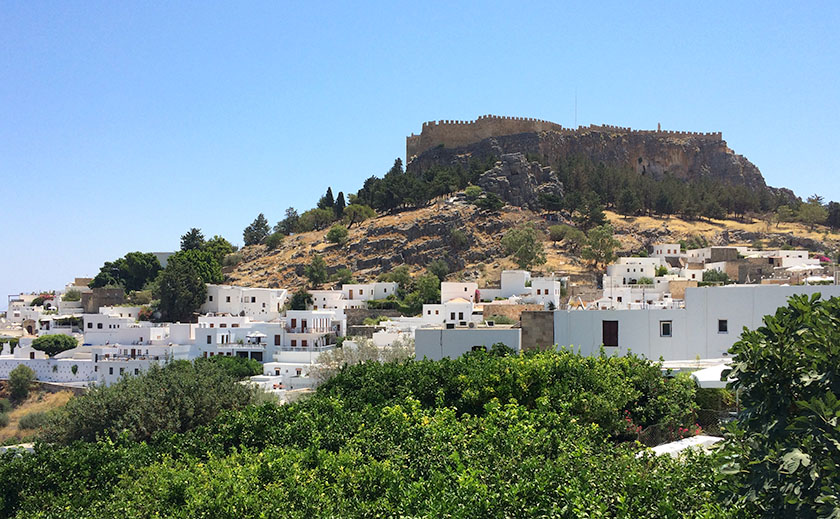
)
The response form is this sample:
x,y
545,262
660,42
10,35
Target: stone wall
x,y
452,134
357,316
508,310
537,330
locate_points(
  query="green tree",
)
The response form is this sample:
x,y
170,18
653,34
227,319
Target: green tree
x,y
473,193
20,380
339,206
289,224
337,234
489,202
833,219
132,272
628,203
600,245
72,295
812,213
55,343
327,201
661,270
177,397
301,299
524,245
274,240
204,263
219,248
192,240
401,276
356,213
715,276
342,276
315,220
257,231
783,448
180,290
316,271
427,288
439,268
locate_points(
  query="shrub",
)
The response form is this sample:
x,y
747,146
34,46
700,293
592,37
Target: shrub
x,y
783,447
337,234
34,420
472,193
20,380
274,240
439,268
458,239
5,405
232,260
72,295
53,344
174,398
524,245
237,367
4,419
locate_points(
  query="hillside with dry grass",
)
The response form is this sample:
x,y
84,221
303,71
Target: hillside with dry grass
x,y
469,240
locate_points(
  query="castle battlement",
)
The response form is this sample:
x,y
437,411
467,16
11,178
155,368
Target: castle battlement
x,y
452,133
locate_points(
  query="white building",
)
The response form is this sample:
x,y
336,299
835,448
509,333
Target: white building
x,y
369,291
707,327
264,304
450,290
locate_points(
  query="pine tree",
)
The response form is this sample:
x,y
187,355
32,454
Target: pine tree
x,y
339,205
257,231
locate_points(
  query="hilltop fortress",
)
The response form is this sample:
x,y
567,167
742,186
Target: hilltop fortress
x,y
684,155
454,134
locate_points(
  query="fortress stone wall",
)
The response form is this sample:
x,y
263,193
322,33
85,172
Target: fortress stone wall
x,y
453,134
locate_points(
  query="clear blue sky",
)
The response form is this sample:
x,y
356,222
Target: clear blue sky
x,y
124,124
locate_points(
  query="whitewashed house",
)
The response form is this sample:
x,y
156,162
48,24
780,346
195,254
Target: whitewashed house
x,y
264,304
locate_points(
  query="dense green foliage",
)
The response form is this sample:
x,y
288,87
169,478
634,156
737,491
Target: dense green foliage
x,y
180,290
257,231
176,398
132,272
274,240
300,300
34,420
785,447
337,234
524,245
237,367
203,261
54,343
480,436
192,240
316,271
600,245
20,380
72,295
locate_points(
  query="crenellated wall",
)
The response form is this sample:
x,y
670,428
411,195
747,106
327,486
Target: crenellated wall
x,y
452,134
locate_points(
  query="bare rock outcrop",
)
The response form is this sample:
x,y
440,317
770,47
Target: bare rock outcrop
x,y
520,182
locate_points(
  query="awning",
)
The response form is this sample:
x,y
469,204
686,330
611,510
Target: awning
x,y
709,378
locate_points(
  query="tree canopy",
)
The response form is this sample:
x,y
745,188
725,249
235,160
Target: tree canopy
x,y
132,272
257,231
54,343
524,244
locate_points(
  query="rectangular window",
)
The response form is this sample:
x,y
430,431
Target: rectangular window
x,y
460,316
294,343
209,340
277,340
136,371
98,326
227,299
211,325
294,323
304,343
222,325
610,333
253,299
110,371
451,316
90,325
723,326
210,298
665,328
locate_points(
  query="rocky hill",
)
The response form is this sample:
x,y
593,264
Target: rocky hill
x,y
469,240
686,156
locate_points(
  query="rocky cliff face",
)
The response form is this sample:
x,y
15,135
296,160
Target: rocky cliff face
x,y
520,182
684,157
